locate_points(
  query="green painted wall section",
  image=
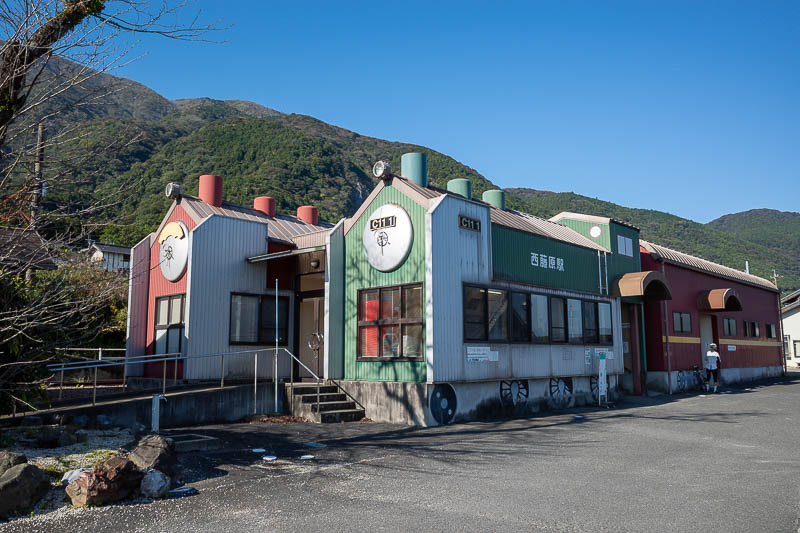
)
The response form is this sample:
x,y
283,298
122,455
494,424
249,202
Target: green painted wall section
x,y
511,260
583,227
335,304
621,264
360,275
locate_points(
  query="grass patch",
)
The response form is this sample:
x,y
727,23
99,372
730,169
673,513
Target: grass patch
x,y
69,464
55,472
95,456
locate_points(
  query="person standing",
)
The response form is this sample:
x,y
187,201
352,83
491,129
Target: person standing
x,y
713,362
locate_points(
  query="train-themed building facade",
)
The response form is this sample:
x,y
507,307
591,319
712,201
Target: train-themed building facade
x,y
426,305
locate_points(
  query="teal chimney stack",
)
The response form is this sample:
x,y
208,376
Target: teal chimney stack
x,y
495,197
460,186
414,166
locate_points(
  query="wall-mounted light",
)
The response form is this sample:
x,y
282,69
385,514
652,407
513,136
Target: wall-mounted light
x,y
315,263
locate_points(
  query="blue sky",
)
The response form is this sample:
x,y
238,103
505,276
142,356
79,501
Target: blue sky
x,y
690,107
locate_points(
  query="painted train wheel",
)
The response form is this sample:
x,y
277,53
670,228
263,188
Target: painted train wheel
x,y
560,392
595,390
443,403
514,392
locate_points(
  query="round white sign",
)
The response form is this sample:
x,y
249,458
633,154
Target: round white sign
x,y
387,237
595,231
174,240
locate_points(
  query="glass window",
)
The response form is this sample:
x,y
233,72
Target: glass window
x,y
267,329
754,330
590,323
244,319
474,313
606,334
520,329
558,321
745,328
163,312
624,245
161,341
176,310
497,309
390,322
686,321
539,322
771,333
412,301
574,321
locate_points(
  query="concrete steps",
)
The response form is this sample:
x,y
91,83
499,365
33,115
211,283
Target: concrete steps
x,y
333,405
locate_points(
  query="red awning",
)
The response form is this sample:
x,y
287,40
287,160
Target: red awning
x,y
719,300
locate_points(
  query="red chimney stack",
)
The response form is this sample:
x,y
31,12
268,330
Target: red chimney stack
x,y
211,189
308,214
265,204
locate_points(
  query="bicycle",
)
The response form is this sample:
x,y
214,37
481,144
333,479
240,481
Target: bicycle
x,y
699,377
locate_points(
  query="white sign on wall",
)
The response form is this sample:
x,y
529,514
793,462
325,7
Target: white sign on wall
x,y
731,347
481,354
174,254
387,237
602,384
547,261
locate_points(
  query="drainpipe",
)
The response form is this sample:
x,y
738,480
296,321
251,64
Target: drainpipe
x,y
605,260
666,338
599,273
781,351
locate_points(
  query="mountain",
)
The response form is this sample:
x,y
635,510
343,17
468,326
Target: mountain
x,y
136,142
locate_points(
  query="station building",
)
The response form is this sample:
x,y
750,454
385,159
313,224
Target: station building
x,y
426,305
737,311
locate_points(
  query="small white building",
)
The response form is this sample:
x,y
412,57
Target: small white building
x,y
112,257
790,317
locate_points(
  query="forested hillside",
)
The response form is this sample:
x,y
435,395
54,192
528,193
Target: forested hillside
x,y
136,142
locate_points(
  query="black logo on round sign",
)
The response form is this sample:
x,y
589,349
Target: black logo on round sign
x,y
382,239
469,223
383,222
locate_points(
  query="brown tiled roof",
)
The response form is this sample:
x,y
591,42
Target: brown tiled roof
x,y
21,249
517,220
674,257
281,227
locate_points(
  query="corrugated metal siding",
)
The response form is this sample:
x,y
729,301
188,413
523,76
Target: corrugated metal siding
x,y
359,274
159,286
511,260
619,264
334,303
217,268
457,256
311,240
138,286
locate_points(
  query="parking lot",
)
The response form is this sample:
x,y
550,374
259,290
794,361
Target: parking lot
x,y
726,462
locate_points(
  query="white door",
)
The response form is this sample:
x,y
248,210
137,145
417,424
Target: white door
x,y
706,334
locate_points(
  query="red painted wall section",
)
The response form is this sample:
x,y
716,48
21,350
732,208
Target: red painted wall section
x,y
159,286
758,306
283,268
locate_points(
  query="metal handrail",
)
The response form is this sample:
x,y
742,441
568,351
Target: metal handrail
x,y
347,393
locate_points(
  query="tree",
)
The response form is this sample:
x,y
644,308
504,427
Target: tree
x,y
68,305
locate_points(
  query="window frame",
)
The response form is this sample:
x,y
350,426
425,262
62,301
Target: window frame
x,y
547,313
675,323
180,325
528,323
259,340
745,328
399,322
586,338
755,329
565,319
771,330
729,327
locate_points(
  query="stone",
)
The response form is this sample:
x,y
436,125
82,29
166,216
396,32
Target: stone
x,y
109,481
81,421
154,451
32,421
104,422
137,429
73,475
21,487
48,438
67,439
155,484
10,459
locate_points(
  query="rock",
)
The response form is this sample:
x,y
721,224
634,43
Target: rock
x,y
21,487
48,438
67,439
10,459
32,421
137,429
154,451
111,480
73,475
81,421
104,422
155,484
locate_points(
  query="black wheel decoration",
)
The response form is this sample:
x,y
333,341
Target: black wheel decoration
x,y
443,403
514,392
595,390
560,391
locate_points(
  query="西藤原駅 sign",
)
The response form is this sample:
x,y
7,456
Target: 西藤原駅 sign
x,y
387,238
547,261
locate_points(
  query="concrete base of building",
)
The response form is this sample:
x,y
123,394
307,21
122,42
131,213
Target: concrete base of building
x,y
688,380
185,408
433,404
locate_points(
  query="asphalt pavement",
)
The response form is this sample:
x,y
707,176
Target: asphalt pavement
x,y
728,462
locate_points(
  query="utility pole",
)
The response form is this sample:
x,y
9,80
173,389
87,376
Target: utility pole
x,y
775,277
38,189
